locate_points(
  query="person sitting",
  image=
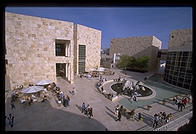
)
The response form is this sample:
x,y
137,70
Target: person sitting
x,y
169,117
140,117
131,114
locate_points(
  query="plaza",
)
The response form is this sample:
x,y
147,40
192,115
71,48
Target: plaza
x,y
68,55
48,116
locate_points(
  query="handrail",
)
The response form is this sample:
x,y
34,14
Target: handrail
x,y
171,122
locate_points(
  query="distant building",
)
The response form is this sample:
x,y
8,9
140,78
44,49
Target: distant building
x,y
138,46
40,48
178,69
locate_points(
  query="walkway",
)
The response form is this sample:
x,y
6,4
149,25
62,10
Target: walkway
x,y
48,116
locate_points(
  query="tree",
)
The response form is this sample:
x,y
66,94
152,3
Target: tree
x,y
124,61
142,62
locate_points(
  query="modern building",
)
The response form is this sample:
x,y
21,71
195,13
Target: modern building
x,y
136,47
40,48
178,69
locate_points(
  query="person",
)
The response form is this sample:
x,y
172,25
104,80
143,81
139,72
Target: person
x,y
90,112
134,98
180,106
185,101
175,100
117,108
11,120
118,115
169,117
83,107
164,115
68,100
73,91
64,102
155,122
87,110
140,117
131,114
12,105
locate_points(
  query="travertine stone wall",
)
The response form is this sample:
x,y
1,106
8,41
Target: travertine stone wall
x,y
92,39
137,46
30,46
180,37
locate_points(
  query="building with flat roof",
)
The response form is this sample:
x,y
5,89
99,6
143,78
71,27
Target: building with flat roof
x,y
40,48
136,47
178,70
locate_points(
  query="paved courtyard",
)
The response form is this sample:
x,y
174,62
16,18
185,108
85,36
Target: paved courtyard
x,y
47,116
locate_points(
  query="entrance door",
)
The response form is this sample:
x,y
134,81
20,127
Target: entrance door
x,y
82,58
61,70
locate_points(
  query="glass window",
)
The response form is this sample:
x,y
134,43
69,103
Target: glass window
x,y
185,54
60,49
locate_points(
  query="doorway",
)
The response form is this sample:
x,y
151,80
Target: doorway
x,y
61,70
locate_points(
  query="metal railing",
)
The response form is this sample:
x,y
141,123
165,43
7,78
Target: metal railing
x,y
177,122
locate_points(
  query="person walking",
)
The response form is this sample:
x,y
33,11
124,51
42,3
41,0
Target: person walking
x,y
12,105
90,112
155,122
185,101
68,100
83,107
11,120
119,115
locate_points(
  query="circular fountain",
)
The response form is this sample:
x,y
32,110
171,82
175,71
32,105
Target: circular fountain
x,y
128,88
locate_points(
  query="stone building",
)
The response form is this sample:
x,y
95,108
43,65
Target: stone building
x,y
138,46
40,48
178,70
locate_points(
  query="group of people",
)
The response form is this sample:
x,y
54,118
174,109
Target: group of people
x,y
87,110
161,118
65,100
181,103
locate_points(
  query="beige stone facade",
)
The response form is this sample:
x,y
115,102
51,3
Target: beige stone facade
x,y
30,48
180,38
91,38
138,46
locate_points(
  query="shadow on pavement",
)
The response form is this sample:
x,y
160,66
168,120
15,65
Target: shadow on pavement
x,y
109,109
148,119
43,117
114,117
79,107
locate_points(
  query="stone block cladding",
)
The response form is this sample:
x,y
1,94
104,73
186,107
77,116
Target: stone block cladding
x,y
138,46
30,48
92,39
180,37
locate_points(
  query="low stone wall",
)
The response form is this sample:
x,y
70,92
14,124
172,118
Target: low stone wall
x,y
115,96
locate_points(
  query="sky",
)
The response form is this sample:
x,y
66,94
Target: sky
x,y
119,22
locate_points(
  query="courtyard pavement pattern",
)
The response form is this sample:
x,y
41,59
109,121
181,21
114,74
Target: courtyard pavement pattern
x,y
47,116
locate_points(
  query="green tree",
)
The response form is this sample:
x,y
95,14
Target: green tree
x,y
142,62
124,61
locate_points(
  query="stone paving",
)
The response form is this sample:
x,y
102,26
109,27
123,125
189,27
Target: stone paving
x,y
48,116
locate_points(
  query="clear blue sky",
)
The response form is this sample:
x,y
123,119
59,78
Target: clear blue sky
x,y
117,22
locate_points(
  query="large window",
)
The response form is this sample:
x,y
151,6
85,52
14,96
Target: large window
x,y
178,69
82,58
